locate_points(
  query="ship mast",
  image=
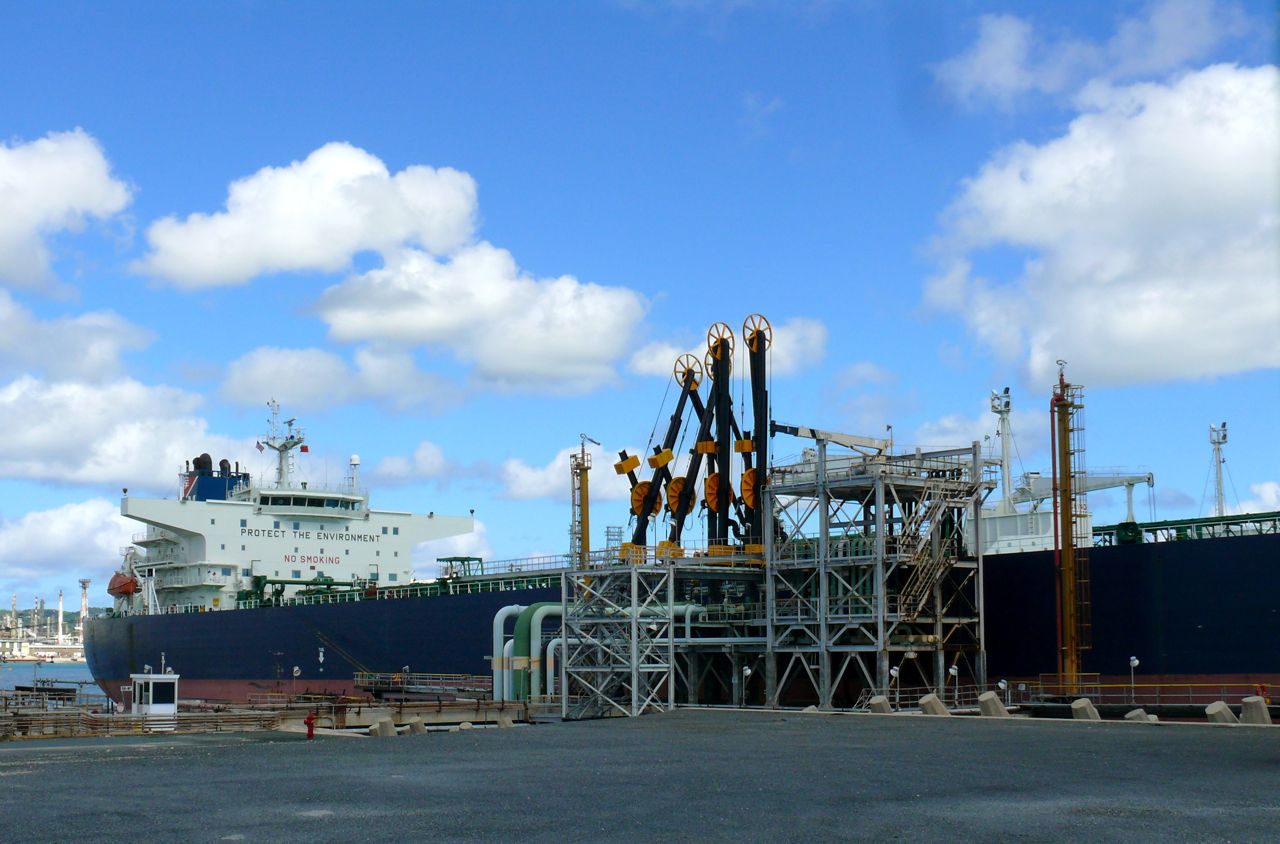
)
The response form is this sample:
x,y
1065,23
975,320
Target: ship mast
x,y
282,443
1217,438
1002,406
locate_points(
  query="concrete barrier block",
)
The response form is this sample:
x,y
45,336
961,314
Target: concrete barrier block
x,y
1253,710
416,726
466,725
1139,715
930,705
880,705
990,705
811,709
1219,713
385,727
1082,709
504,720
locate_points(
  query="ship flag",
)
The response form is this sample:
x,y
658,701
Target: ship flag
x,y
305,449
260,446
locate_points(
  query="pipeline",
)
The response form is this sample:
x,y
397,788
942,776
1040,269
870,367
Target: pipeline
x,y
499,660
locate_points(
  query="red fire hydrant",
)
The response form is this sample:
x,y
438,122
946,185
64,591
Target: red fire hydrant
x,y
310,721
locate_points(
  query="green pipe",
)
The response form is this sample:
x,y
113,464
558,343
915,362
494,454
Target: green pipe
x,y
520,653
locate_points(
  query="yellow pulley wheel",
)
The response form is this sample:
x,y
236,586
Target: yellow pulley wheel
x,y
717,332
755,329
674,487
749,488
638,493
686,364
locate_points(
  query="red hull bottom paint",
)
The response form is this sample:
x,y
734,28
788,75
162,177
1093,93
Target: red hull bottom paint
x,y
241,691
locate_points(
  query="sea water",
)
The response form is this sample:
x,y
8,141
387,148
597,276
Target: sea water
x,y
26,673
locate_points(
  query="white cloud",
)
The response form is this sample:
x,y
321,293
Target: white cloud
x,y
76,540
757,110
309,378
426,462
798,343
658,358
474,544
47,186
1152,227
118,433
517,331
862,372
87,346
314,214
522,481
1266,498
1030,432
1010,59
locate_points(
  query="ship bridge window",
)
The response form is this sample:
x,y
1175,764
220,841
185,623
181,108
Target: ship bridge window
x,y
315,502
331,502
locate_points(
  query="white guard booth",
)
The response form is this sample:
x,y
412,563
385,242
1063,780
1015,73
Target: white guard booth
x,y
156,697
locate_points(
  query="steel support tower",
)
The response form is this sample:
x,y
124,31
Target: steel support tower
x,y
618,640
867,571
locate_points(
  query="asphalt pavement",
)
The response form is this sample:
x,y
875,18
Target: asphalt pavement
x,y
692,775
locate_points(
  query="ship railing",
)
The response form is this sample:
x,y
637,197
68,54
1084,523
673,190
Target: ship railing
x,y
1138,694
416,681
180,581
953,696
153,535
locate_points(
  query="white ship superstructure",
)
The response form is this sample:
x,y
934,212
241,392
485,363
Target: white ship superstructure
x,y
227,542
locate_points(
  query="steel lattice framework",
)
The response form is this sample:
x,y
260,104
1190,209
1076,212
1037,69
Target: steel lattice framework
x,y
619,646
867,571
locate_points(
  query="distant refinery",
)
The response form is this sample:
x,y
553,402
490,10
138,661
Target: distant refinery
x,y
38,635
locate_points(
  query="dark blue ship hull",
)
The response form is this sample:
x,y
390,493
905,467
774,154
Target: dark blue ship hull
x,y
1189,610
232,654
1205,610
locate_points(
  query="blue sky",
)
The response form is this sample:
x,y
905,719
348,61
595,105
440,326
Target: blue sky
x,y
453,237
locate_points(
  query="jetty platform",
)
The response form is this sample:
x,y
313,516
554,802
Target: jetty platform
x,y
710,775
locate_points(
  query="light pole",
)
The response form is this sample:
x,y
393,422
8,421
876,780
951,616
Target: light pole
x,y
1003,685
1133,663
894,671
955,675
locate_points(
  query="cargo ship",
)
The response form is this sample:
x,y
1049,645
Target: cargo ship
x,y
250,589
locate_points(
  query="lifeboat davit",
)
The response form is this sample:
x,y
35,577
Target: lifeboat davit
x,y
122,584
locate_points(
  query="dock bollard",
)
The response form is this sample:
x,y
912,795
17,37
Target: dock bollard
x,y
416,726
1082,709
930,705
1219,713
990,706
880,705
1253,710
1140,716
385,727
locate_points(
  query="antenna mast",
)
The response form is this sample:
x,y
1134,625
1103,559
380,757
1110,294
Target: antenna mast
x,y
1002,406
1217,438
282,443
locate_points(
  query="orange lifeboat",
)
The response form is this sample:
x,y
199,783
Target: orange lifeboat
x,y
122,584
